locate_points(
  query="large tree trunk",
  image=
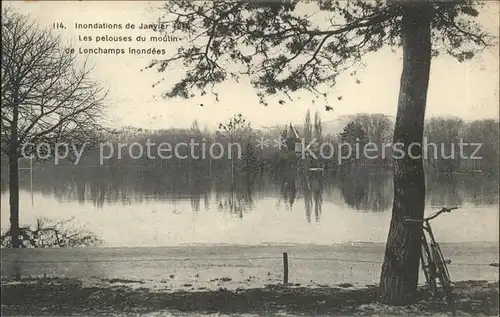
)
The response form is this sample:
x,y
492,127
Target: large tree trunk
x,y
14,199
399,278
14,182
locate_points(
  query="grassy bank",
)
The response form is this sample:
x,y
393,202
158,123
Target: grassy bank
x,y
72,297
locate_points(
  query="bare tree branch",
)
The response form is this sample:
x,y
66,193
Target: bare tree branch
x,y
50,92
282,49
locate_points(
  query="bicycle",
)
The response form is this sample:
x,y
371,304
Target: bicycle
x,y
433,262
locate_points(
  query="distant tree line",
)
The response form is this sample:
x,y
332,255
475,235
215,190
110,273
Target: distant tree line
x,y
445,136
249,158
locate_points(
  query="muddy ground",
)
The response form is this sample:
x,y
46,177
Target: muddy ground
x,y
56,296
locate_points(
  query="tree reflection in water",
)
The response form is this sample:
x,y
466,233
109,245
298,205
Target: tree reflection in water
x,y
359,190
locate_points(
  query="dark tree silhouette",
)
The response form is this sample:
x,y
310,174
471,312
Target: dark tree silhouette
x,y
353,135
486,132
308,127
45,98
353,132
46,234
280,48
445,132
235,129
249,161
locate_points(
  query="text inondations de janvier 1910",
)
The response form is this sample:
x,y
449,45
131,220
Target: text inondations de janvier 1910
x,y
115,39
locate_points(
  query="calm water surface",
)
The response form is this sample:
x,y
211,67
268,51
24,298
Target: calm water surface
x,y
142,207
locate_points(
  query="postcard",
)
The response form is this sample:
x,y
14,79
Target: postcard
x,y
250,158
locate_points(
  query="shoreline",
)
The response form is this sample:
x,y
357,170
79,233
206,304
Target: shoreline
x,y
235,266
59,296
271,244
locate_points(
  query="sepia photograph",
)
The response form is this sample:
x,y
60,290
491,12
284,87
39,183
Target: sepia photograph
x,y
250,158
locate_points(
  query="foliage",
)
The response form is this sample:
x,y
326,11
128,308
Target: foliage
x,y
236,127
46,234
195,128
446,134
46,99
308,130
485,132
318,128
354,136
46,96
378,127
281,48
353,133
249,162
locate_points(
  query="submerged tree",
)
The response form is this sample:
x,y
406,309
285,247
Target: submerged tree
x,y
353,139
280,48
318,127
46,234
235,129
378,127
249,161
308,128
485,132
446,132
46,99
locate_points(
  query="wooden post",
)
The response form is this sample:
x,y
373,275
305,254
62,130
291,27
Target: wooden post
x,y
285,268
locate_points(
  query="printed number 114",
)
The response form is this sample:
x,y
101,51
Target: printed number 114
x,y
58,25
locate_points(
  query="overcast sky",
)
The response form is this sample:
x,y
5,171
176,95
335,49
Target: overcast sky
x,y
468,90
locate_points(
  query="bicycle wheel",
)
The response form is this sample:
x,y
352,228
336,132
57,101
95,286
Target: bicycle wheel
x,y
444,277
428,266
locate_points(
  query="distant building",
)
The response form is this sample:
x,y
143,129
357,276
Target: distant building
x,y
294,143
292,138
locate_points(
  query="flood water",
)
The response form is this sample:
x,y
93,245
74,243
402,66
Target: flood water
x,y
135,206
